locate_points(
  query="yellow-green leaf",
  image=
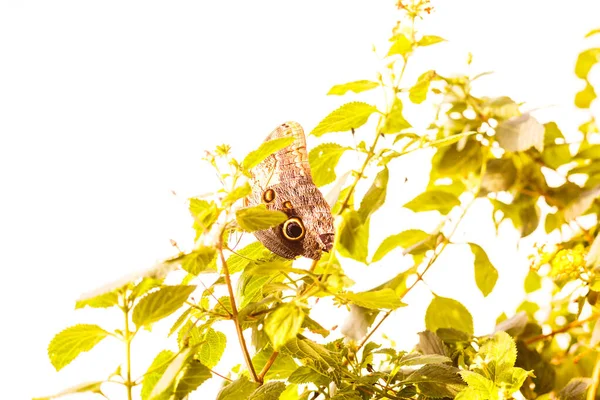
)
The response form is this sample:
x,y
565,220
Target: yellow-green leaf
x,y
155,371
258,218
323,160
265,150
194,375
283,324
238,389
374,300
349,116
105,300
268,391
401,45
444,312
354,236
428,40
375,196
213,347
433,200
395,121
486,274
585,61
584,98
356,87
71,342
404,240
418,93
238,193
160,304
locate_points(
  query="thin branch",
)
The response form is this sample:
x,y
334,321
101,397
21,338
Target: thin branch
x,y
591,394
267,366
128,337
565,328
234,312
220,376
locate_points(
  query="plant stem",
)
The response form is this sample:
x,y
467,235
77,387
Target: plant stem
x,y
591,394
267,366
234,312
128,337
565,328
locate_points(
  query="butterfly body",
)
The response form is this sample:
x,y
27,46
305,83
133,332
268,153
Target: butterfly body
x,y
283,182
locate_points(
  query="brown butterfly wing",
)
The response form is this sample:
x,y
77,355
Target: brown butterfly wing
x,y
283,182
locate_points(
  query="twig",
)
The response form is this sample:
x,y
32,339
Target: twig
x,y
234,312
127,337
220,376
591,394
565,328
268,365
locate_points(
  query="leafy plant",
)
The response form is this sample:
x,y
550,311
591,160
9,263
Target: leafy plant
x,y
484,149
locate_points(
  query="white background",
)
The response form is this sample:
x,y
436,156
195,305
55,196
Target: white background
x,y
106,108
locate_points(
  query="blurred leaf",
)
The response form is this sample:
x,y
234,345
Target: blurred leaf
x,y
395,121
283,324
428,40
592,32
199,260
592,152
433,200
500,175
314,326
533,281
444,312
398,283
238,389
354,236
267,148
458,160
154,372
321,359
575,389
592,258
595,338
194,375
401,45
356,87
105,300
430,343
308,375
258,218
376,300
500,107
205,214
514,325
579,206
486,274
585,62
405,240
584,98
282,368
520,133
212,349
165,383
236,194
160,304
418,93
268,391
375,196
85,387
357,323
349,116
72,341
323,160
422,359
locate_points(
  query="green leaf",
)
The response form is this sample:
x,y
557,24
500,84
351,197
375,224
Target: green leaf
x,y
500,174
395,121
282,368
160,304
414,239
165,383
199,260
585,62
433,200
428,40
93,387
584,98
238,389
520,133
250,286
592,32
354,236
482,387
69,343
268,391
533,281
500,354
486,274
194,375
258,218
514,325
283,324
398,283
349,116
513,378
375,196
267,148
205,214
444,312
418,93
253,253
422,359
377,300
321,359
435,372
105,300
323,160
308,375
213,348
401,45
356,87
430,343
575,389
155,371
238,193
